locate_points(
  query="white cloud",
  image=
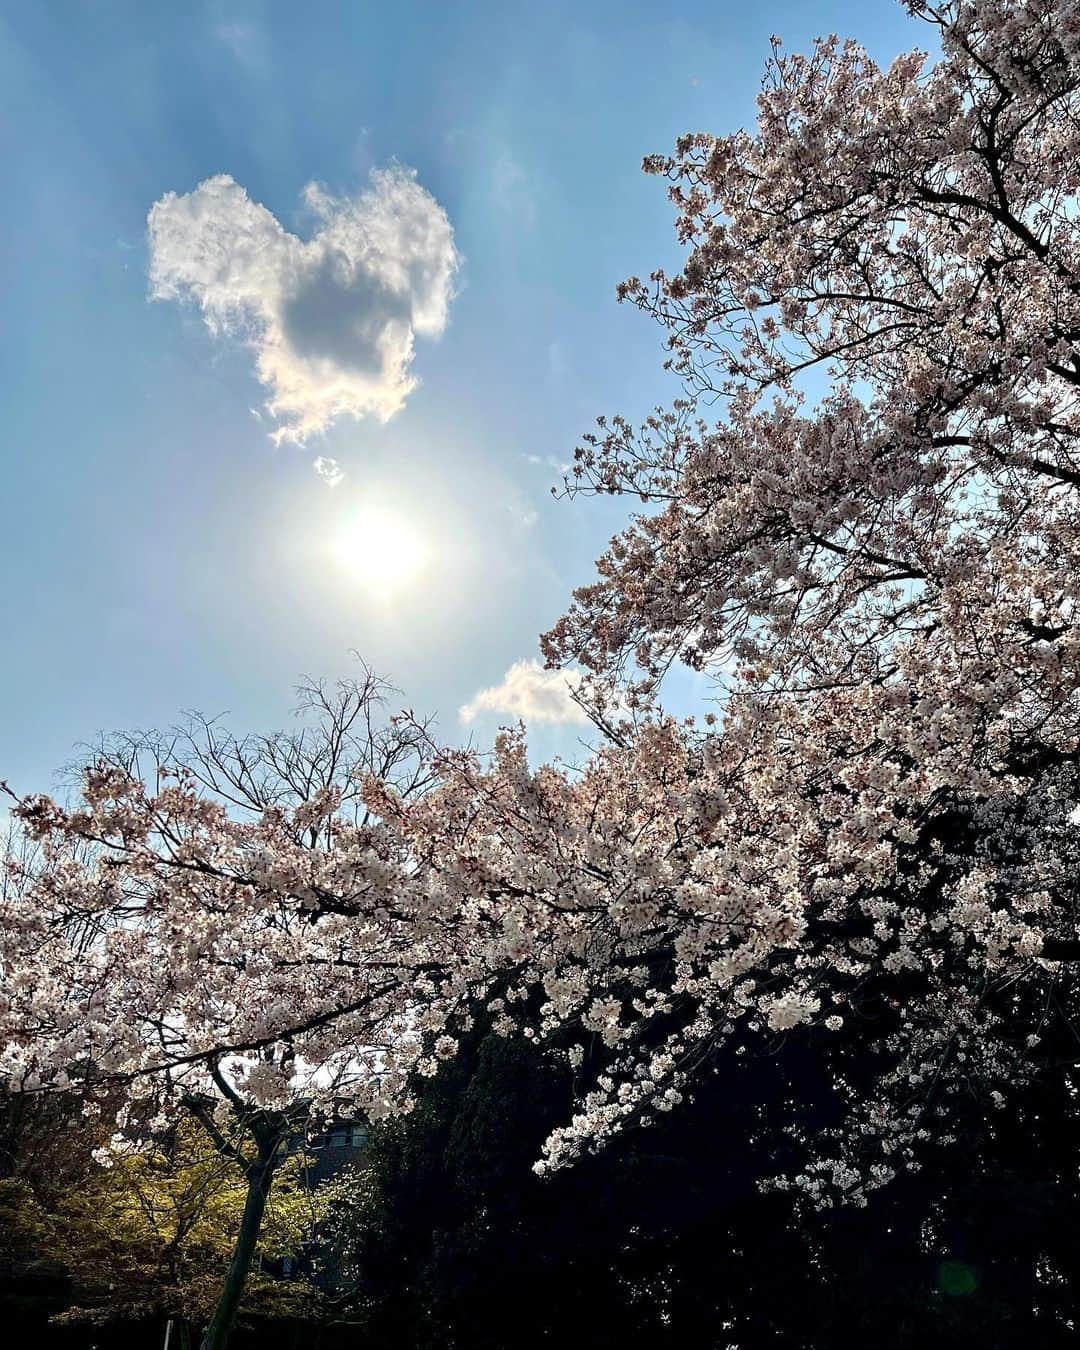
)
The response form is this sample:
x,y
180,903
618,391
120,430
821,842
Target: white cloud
x,y
550,462
329,470
558,361
530,692
512,189
331,320
246,42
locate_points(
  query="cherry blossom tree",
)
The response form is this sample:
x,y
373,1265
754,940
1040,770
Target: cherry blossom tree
x,y
875,552
222,931
872,842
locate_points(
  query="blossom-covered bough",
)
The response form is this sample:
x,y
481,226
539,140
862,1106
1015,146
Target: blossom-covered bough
x,y
221,929
876,550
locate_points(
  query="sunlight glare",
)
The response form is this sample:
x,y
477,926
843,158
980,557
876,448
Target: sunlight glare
x,y
380,549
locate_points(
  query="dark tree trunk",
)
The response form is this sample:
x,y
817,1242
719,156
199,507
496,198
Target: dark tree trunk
x,y
177,1334
260,1176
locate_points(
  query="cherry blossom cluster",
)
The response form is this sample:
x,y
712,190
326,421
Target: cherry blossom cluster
x,y
875,550
246,938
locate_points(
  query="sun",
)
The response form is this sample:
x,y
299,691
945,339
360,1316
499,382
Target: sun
x,y
380,549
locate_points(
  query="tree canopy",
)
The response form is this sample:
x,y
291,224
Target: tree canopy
x,y
862,518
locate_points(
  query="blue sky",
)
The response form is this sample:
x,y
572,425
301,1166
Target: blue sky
x,y
160,551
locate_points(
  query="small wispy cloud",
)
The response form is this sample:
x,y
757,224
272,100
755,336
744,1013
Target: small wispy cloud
x,y
550,462
524,517
531,693
512,188
558,361
245,41
329,470
332,319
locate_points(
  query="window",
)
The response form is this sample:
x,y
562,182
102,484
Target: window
x,y
348,1136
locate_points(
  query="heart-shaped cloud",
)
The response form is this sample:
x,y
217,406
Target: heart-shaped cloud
x,y
331,319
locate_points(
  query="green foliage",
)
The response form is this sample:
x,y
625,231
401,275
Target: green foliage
x,y
151,1234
